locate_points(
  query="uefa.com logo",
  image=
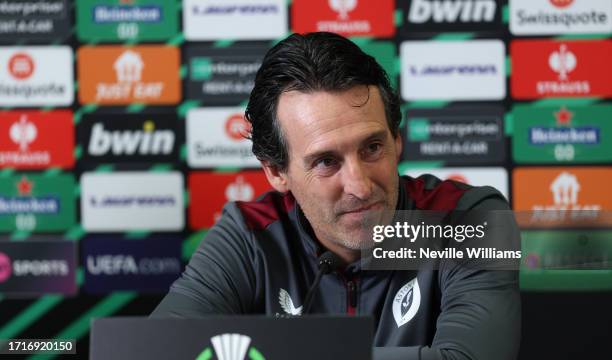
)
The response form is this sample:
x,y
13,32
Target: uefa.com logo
x,y
231,347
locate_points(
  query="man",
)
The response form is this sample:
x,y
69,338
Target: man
x,y
325,128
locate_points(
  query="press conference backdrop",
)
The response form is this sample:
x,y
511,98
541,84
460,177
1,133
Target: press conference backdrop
x,y
121,136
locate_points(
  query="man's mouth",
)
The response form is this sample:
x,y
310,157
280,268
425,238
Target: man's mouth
x,y
373,206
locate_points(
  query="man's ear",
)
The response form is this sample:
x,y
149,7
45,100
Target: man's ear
x,y
398,147
276,178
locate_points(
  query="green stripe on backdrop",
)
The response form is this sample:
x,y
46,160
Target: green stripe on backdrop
x,y
35,311
28,316
19,235
185,106
458,36
6,172
506,14
582,37
135,107
415,165
80,327
566,101
508,124
191,244
426,104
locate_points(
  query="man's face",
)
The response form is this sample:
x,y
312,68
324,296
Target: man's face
x,y
342,162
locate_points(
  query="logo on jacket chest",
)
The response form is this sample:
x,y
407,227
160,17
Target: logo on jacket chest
x,y
406,302
287,304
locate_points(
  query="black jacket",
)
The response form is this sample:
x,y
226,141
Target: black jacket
x,y
260,257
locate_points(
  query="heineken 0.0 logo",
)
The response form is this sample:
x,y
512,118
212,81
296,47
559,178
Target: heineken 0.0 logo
x,y
230,347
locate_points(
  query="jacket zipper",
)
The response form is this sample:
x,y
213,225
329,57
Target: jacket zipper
x,y
351,291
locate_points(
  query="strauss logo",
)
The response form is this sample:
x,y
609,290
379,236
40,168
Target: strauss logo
x,y
562,62
343,7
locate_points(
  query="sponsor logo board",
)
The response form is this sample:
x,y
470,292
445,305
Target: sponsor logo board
x,y
34,20
216,137
561,196
496,177
36,76
456,136
36,139
132,201
129,138
35,267
570,134
349,18
34,202
549,17
451,15
147,74
234,19
222,76
552,68
440,70
209,191
121,20
117,264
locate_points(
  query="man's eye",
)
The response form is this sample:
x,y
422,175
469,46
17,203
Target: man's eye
x,y
325,162
373,148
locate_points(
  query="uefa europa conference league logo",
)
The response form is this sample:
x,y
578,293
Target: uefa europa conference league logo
x,y
231,347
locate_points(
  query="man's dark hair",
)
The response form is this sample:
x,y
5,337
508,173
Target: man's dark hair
x,y
319,61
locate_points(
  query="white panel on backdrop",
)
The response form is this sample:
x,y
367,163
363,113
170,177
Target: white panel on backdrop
x,y
36,76
235,19
453,70
496,177
215,137
547,17
132,201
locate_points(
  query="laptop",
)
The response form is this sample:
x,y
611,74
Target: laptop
x,y
232,338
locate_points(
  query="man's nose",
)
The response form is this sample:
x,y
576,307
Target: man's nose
x,y
356,179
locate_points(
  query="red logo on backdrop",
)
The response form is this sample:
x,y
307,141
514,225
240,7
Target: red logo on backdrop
x,y
346,17
548,68
237,128
209,191
6,268
36,140
21,66
561,3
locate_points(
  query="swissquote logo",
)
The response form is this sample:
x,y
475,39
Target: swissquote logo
x,y
451,11
286,303
528,17
21,66
231,347
406,302
36,76
218,137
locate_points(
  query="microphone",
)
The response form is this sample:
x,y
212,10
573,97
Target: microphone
x,y
327,263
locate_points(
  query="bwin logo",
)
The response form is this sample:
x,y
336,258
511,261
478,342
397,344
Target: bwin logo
x,y
231,347
440,11
147,141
